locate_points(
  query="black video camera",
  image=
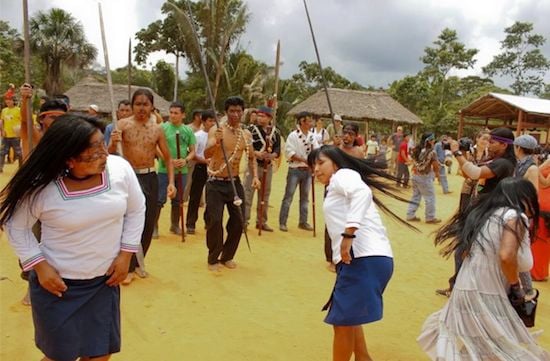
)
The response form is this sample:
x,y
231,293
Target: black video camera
x,y
465,144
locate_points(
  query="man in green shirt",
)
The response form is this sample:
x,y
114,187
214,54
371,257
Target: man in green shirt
x,y
187,141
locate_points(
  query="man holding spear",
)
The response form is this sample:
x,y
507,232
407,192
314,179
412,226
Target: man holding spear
x,y
232,140
266,142
181,143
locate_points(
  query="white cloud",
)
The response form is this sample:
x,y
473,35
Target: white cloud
x,y
373,42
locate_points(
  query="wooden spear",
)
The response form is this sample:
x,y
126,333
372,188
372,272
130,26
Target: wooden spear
x,y
27,61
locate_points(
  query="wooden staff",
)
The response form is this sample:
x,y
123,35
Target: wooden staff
x,y
179,177
264,180
140,255
188,19
129,68
109,79
27,61
320,67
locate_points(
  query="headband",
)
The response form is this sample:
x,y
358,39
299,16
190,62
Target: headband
x,y
51,112
502,139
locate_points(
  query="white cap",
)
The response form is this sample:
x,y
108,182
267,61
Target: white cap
x,y
94,107
337,117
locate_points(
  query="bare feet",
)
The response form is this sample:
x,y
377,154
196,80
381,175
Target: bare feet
x,y
128,279
230,264
27,299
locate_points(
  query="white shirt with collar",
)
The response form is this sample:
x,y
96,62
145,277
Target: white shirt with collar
x,y
202,139
301,145
349,203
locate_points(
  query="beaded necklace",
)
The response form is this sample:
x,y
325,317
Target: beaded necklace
x,y
240,132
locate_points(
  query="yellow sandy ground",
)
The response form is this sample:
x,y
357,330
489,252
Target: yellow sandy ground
x,y
266,309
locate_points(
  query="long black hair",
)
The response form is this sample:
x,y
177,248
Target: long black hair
x,y
465,228
370,173
143,91
66,138
424,144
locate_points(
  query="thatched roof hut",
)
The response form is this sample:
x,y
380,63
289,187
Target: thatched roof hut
x,y
361,106
90,91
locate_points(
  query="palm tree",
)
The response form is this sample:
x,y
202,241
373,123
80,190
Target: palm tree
x,y
59,41
219,24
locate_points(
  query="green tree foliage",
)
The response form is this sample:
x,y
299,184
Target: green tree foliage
x,y
521,59
309,79
433,94
140,77
163,79
219,24
11,56
447,54
59,41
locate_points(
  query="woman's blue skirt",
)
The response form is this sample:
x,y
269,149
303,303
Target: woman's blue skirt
x,y
357,295
84,322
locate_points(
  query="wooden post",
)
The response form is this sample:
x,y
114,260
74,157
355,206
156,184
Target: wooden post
x,y
521,117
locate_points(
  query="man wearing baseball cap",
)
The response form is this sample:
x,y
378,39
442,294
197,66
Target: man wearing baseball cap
x,y
93,110
334,130
524,149
266,142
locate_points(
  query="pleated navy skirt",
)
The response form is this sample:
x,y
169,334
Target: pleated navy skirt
x,y
84,322
357,295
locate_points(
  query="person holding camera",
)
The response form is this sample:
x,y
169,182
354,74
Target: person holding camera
x,y
502,163
487,175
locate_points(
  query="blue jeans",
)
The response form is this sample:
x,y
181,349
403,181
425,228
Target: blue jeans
x,y
163,192
294,178
423,186
443,178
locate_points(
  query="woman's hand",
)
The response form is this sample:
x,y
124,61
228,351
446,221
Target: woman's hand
x,y
50,279
345,250
119,268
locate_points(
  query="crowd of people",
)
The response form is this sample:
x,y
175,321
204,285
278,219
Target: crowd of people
x,y
71,166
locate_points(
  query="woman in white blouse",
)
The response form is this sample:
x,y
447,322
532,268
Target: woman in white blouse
x,y
360,247
91,210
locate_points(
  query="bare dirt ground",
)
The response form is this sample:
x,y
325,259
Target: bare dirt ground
x,y
269,308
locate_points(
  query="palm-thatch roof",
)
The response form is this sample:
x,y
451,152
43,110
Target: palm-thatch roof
x,y
357,106
90,91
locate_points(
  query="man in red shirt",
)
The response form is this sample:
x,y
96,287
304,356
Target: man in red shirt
x,y
402,163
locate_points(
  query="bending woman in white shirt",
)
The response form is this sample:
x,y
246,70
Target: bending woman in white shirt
x,y
91,211
361,249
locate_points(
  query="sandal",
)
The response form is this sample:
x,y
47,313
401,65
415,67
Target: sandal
x,y
444,292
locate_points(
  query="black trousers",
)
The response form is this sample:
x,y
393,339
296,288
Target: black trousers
x,y
195,192
219,194
150,188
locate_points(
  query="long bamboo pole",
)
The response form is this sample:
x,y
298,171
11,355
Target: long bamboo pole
x,y
27,61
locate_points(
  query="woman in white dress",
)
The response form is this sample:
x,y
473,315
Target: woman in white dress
x,y
478,322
